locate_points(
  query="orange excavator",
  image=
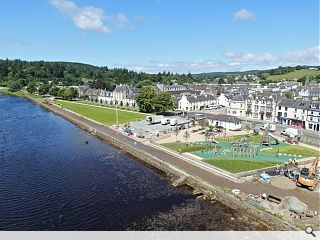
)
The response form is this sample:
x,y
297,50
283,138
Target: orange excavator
x,y
308,177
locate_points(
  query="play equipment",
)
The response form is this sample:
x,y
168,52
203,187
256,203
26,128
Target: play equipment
x,y
308,177
242,148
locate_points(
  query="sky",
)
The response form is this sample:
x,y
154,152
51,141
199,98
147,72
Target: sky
x,y
163,35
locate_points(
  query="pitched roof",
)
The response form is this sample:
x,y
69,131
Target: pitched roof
x,y
200,98
223,118
292,103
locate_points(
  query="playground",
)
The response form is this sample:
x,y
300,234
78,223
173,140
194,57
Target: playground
x,y
246,152
243,152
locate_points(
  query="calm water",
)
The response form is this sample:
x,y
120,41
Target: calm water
x,y
51,180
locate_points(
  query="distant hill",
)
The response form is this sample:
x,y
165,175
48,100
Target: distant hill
x,y
271,74
295,74
219,74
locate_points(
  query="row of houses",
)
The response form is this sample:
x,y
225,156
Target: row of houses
x,y
122,94
299,113
260,106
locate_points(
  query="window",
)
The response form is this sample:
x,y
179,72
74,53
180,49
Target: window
x,y
279,107
285,114
286,108
234,112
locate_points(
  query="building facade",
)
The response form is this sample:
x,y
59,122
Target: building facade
x,y
196,102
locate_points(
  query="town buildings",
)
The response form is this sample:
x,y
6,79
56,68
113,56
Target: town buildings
x,y
242,100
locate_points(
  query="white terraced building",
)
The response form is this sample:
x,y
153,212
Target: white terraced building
x,y
196,102
313,119
121,94
260,106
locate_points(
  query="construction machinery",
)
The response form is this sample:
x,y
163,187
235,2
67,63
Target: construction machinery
x,y
307,176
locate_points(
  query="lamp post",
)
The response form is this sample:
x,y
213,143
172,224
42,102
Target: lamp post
x,y
117,116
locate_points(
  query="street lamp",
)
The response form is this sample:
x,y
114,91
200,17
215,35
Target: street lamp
x,y
117,116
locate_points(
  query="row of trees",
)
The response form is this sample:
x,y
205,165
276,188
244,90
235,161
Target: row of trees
x,y
53,90
18,73
74,74
149,101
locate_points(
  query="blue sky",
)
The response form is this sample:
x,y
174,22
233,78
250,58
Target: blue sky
x,y
158,35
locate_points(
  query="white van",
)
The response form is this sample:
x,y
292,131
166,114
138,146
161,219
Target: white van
x,y
173,122
165,121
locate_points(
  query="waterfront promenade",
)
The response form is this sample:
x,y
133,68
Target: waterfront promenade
x,y
310,198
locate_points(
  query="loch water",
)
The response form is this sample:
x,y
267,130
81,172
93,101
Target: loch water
x,y
55,176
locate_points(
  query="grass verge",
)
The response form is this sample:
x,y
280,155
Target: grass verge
x,y
237,166
23,94
293,149
177,146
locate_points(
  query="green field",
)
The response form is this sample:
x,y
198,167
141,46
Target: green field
x,y
295,74
293,149
237,166
177,146
102,114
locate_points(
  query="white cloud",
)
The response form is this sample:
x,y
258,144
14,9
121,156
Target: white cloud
x,y
244,14
305,56
122,21
235,61
89,17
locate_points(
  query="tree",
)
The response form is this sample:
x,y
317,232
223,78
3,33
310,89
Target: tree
x,y
193,121
186,135
31,87
176,133
221,81
207,135
145,99
289,95
68,93
163,102
202,123
144,83
54,91
14,86
44,89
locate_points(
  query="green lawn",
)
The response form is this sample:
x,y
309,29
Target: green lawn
x,y
102,114
293,149
184,148
237,166
251,138
124,107
295,74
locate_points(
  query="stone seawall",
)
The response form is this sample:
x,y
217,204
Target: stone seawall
x,y
209,190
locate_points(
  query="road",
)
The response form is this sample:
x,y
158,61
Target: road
x,y
310,198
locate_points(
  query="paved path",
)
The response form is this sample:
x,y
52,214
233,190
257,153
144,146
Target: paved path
x,y
310,198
